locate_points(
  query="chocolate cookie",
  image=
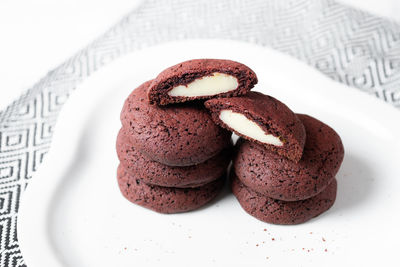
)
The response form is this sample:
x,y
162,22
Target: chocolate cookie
x,y
166,199
177,135
155,173
283,212
280,178
262,119
201,79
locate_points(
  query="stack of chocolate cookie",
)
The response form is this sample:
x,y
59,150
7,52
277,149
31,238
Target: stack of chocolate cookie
x,y
285,163
173,157
174,152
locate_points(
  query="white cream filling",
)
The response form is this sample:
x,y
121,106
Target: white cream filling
x,y
214,84
241,124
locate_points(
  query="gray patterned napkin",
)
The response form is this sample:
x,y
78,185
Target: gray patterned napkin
x,y
346,44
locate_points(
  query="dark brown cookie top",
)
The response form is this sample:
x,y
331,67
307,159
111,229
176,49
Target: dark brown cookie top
x,y
166,199
280,178
155,173
222,76
283,212
263,119
176,135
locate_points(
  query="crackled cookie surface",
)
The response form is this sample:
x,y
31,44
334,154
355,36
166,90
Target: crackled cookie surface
x,y
166,199
280,178
176,135
283,212
155,173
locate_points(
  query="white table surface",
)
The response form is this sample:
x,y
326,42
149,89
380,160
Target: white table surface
x,y
36,36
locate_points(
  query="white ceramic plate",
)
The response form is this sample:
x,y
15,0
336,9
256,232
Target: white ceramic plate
x,y
73,214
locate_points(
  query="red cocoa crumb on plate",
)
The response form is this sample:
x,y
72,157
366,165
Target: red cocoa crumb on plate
x,y
273,239
323,239
326,250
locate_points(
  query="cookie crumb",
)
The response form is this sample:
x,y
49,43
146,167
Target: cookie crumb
x,y
265,229
326,250
273,239
257,245
323,239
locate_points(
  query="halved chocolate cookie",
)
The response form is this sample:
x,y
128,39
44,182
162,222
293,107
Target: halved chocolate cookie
x,y
262,119
201,79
